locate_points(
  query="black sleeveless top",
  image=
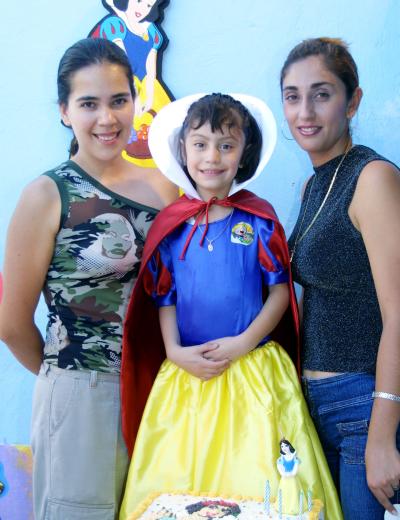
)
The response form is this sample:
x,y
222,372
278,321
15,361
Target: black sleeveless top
x,y
342,323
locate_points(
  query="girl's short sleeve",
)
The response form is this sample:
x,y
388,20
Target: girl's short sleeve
x,y
271,253
159,282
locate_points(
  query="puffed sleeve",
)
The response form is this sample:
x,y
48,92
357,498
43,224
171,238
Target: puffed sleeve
x,y
158,277
271,253
113,28
156,36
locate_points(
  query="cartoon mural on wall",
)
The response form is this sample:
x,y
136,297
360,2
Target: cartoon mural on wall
x,y
132,25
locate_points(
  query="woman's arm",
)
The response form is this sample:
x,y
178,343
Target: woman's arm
x,y
29,248
264,323
191,358
375,211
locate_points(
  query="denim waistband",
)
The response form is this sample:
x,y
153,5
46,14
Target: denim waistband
x,y
346,377
339,388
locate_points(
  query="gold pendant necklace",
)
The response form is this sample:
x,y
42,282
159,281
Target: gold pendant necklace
x,y
299,237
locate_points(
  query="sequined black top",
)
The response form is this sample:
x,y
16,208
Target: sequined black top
x,y
342,323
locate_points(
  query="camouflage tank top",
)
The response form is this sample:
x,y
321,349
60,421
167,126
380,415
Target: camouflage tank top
x,y
95,263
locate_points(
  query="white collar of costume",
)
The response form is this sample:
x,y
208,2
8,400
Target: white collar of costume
x,y
164,139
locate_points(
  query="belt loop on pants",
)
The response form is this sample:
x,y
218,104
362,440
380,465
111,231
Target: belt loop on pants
x,y
305,386
93,379
45,368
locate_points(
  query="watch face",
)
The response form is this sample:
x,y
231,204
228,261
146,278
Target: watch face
x,y
389,516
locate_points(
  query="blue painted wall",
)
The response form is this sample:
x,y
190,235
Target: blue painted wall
x,y
223,45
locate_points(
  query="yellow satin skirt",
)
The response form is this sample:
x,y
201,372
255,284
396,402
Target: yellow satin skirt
x,y
222,436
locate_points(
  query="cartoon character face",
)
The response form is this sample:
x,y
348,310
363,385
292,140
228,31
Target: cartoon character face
x,y
137,10
117,239
242,233
113,249
213,511
285,448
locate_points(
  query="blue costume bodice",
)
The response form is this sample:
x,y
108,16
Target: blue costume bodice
x,y
137,46
288,464
217,293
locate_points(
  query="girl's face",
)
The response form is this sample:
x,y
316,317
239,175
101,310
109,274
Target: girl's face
x,y
213,158
138,9
100,112
317,109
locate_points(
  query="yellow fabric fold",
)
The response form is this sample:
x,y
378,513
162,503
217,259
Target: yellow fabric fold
x,y
222,436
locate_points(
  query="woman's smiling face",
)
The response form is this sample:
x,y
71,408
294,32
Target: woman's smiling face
x,y
317,109
100,111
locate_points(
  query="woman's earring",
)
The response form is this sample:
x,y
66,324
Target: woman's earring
x,y
283,130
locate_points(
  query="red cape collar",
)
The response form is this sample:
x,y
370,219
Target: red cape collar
x,y
185,208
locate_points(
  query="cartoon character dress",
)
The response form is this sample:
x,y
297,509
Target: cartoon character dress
x,y
138,48
290,491
222,436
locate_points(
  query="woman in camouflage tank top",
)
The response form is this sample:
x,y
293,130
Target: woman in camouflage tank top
x,y
78,234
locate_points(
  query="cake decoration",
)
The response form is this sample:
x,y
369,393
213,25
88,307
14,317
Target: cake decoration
x,y
289,501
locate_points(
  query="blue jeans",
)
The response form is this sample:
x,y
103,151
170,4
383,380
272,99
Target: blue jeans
x,y
341,409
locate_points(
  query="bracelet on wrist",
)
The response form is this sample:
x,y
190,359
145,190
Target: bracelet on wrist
x,y
386,395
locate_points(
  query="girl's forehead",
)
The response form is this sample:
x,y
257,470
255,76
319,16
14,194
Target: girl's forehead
x,y
225,129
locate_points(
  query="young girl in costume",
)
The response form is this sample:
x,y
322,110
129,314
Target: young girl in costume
x,y
217,268
78,234
346,255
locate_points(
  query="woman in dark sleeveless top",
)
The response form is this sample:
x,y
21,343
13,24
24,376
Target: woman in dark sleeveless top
x,y
346,256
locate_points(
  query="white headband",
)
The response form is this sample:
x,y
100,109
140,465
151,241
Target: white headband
x,y
164,138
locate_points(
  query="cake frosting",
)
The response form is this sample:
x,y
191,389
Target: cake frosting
x,y
185,506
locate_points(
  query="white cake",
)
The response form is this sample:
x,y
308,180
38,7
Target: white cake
x,y
171,506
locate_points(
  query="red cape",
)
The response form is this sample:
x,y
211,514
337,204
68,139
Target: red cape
x,y
143,348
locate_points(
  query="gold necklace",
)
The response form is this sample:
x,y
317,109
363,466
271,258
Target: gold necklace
x,y
299,237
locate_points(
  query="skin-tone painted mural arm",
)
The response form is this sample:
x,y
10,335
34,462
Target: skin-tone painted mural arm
x,y
30,244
